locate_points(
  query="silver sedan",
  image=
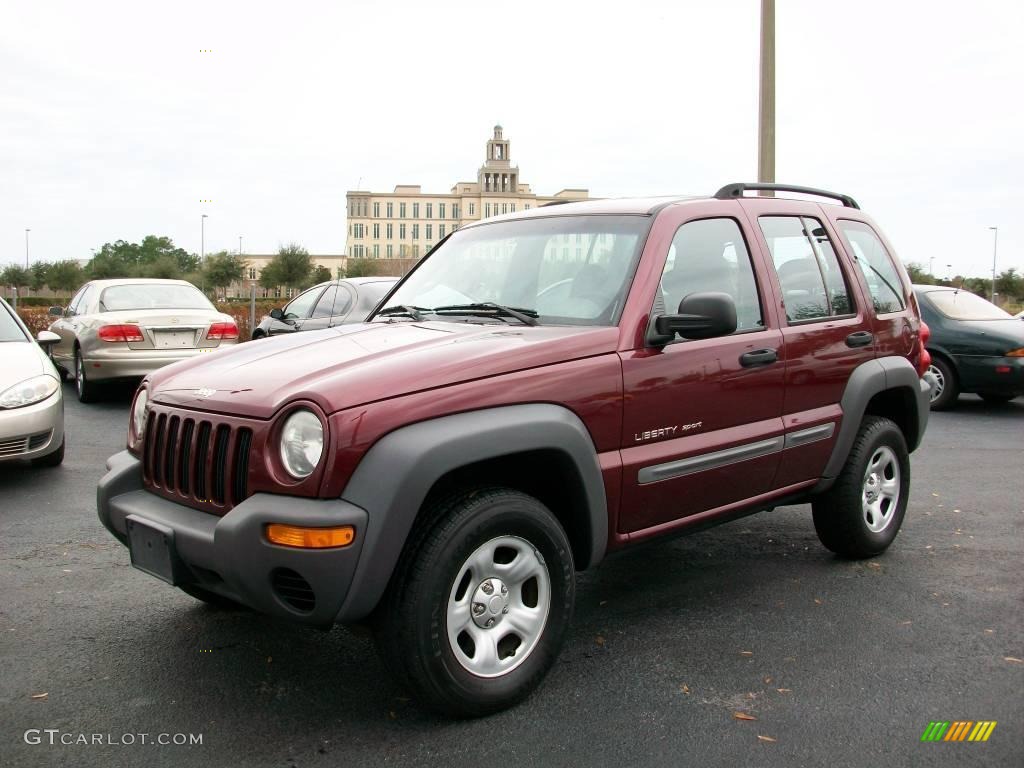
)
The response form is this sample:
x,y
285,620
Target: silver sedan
x,y
118,329
31,403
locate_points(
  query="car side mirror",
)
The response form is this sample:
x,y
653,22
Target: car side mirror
x,y
55,311
700,316
47,339
277,314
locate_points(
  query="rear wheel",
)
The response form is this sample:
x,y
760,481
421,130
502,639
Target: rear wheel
x,y
945,388
861,514
88,391
995,398
477,610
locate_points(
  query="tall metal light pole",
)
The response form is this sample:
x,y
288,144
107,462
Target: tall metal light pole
x,y
995,252
26,247
239,245
766,106
202,250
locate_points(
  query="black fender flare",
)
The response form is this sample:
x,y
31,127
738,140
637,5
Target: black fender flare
x,y
396,473
866,381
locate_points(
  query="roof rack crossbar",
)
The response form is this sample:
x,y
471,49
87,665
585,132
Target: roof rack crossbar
x,y
732,191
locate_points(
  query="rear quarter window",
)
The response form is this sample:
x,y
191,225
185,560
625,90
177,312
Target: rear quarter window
x,y
876,264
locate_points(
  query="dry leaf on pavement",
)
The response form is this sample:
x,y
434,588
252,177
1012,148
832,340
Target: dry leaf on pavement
x,y
766,738
40,695
743,716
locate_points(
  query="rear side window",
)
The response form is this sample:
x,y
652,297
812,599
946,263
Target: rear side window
x,y
813,285
876,265
334,302
710,255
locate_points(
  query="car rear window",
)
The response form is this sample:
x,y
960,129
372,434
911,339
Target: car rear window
x,y
152,296
10,329
964,305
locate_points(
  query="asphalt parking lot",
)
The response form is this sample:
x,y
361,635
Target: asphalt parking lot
x,y
837,663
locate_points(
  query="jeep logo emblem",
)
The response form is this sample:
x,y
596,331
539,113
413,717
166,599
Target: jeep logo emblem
x,y
205,392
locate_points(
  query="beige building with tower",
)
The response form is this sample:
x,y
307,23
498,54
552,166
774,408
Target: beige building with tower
x,y
407,223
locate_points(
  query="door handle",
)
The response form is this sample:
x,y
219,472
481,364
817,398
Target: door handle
x,y
758,357
860,339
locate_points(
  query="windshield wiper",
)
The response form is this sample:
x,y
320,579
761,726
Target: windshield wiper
x,y
403,309
525,316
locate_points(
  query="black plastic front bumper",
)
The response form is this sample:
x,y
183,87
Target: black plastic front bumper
x,y
230,555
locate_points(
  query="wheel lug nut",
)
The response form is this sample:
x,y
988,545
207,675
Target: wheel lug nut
x,y
505,609
487,587
479,608
490,622
504,589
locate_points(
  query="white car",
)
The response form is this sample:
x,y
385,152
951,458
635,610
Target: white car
x,y
31,402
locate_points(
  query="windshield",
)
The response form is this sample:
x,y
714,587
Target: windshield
x,y
569,270
964,305
153,296
10,330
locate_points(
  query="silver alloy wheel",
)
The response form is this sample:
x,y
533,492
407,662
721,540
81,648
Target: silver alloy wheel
x,y
498,606
79,374
938,382
881,494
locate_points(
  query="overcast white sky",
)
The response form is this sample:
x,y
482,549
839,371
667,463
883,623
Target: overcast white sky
x,y
113,125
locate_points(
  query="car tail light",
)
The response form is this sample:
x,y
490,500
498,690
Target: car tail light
x,y
924,357
222,331
114,333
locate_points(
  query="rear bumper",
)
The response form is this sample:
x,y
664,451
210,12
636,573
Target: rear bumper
x,y
40,425
998,375
229,555
121,363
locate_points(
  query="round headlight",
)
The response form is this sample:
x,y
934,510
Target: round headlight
x,y
29,391
302,443
139,412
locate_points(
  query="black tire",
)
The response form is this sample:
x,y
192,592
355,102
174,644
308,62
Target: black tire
x,y
211,598
88,391
995,398
411,626
54,459
950,388
844,516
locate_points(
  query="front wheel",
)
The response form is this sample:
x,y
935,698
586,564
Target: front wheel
x,y
477,610
861,514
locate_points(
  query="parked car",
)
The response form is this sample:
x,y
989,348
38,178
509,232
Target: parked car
x,y
118,329
31,402
1020,315
443,470
975,347
325,305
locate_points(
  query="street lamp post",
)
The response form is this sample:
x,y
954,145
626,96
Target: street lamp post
x,y
766,105
995,251
26,247
202,250
239,245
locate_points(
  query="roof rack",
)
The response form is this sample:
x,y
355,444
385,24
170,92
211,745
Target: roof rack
x,y
732,191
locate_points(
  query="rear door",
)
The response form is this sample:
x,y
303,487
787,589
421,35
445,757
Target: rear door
x,y
827,329
702,426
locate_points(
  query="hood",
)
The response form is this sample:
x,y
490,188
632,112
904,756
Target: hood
x,y
350,365
22,360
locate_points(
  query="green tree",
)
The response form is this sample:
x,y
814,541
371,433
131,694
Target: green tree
x,y
918,274
164,267
153,257
362,268
15,276
1010,284
291,267
65,276
321,274
223,268
39,272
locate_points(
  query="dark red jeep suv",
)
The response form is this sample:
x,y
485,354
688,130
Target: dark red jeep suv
x,y
542,389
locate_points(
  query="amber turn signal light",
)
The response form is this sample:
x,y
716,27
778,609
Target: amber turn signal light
x,y
310,538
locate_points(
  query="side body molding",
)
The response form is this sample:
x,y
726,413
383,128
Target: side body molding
x,y
395,475
868,380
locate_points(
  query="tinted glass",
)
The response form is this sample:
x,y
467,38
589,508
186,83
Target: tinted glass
x,y
964,305
326,303
571,270
812,282
85,300
710,255
876,265
10,330
302,304
151,296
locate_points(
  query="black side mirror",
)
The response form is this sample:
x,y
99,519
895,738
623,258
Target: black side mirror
x,y
55,311
700,316
277,314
